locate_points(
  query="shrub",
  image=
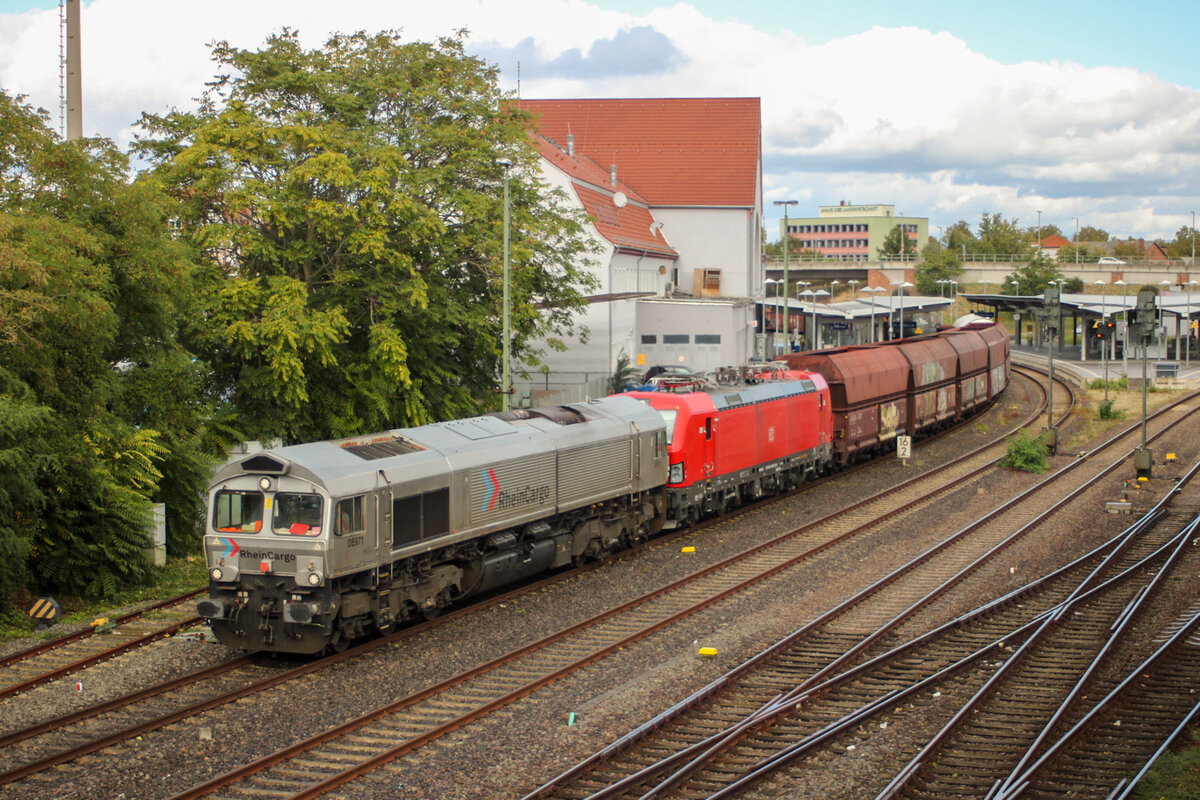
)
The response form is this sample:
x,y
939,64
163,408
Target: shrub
x,y
1108,412
1026,453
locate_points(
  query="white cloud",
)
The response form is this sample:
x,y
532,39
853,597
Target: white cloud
x,y
900,115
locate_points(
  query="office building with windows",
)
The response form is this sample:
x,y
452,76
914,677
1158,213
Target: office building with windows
x,y
853,233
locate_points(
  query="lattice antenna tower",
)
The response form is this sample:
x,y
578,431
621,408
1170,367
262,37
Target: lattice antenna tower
x,y
62,68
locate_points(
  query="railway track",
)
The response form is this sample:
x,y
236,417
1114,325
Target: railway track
x,y
155,718
62,739
66,655
635,765
311,768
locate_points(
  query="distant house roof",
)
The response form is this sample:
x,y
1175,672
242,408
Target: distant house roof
x,y
626,226
1053,242
676,151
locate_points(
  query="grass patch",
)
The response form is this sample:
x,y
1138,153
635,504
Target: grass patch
x,y
178,576
1175,776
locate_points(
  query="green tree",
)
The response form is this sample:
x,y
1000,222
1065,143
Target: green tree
x,y
1066,254
936,265
1032,277
1129,248
1002,237
896,243
349,201
1184,244
961,239
1047,229
94,385
1090,234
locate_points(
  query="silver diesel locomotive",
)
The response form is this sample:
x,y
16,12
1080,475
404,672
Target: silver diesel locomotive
x,y
313,545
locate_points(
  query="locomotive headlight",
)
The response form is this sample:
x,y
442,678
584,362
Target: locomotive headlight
x,y
314,578
216,573
675,475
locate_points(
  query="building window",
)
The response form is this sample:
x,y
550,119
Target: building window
x,y
675,338
649,338
708,338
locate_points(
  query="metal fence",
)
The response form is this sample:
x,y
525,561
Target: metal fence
x,y
560,388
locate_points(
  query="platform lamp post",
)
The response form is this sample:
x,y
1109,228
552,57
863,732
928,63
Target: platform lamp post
x,y
808,293
799,294
787,288
874,290
817,331
954,294
1162,318
941,287
1187,350
1103,341
506,324
769,356
901,286
1125,325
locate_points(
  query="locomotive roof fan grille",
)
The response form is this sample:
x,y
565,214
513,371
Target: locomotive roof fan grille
x,y
261,463
383,446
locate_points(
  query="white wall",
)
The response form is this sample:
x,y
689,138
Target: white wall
x,y
714,238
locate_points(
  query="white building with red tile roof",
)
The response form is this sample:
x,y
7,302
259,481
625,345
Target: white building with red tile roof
x,y
674,191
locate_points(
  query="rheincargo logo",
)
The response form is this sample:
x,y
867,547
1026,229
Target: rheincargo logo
x,y
496,497
268,555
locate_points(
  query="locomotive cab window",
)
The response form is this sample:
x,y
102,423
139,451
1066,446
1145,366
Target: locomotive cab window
x,y
297,514
349,517
238,512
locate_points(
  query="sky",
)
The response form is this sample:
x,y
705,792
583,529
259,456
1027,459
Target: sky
x,y
1086,112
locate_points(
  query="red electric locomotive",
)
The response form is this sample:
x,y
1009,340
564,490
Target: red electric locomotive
x,y
752,434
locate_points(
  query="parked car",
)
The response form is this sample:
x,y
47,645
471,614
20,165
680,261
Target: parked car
x,y
665,370
1111,260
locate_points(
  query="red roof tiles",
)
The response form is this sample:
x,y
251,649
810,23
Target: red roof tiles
x,y
675,151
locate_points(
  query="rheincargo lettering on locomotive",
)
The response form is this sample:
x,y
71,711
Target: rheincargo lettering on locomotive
x,y
522,497
268,555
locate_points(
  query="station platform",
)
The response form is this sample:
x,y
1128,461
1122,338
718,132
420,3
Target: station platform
x,y
1165,372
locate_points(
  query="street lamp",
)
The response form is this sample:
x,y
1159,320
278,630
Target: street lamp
x,y
874,290
853,288
941,284
506,325
953,293
832,290
786,286
1076,239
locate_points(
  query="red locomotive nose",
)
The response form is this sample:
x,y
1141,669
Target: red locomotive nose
x,y
264,566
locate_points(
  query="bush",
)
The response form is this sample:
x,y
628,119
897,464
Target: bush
x,y
1026,453
1108,412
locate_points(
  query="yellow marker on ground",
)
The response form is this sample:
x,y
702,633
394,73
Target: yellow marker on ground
x,y
707,651
688,549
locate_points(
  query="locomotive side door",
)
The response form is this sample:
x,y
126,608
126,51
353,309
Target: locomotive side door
x,y
710,448
382,524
